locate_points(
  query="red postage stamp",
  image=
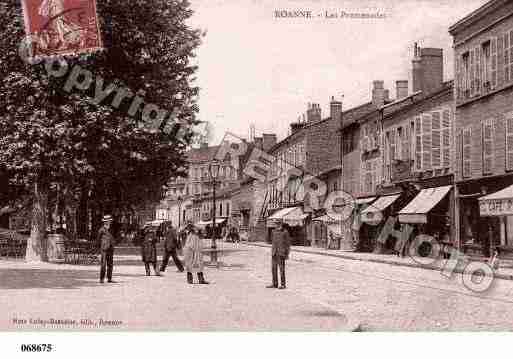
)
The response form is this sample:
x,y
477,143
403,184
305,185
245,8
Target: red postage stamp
x,y
61,27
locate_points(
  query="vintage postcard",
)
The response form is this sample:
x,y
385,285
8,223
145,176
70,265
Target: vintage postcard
x,y
256,165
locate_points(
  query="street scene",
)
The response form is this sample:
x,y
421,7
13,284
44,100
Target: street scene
x,y
325,294
164,169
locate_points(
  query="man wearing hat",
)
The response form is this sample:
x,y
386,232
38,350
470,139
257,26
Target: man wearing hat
x,y
107,249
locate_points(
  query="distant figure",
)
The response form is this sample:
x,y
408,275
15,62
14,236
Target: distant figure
x,y
149,251
107,243
280,253
193,255
171,244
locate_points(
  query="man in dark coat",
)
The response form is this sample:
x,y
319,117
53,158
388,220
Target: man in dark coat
x,y
107,243
280,252
171,244
149,250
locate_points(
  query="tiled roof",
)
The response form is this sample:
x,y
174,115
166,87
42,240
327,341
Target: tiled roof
x,y
198,155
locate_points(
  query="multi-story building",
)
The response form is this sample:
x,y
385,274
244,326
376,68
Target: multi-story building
x,y
406,155
312,150
483,52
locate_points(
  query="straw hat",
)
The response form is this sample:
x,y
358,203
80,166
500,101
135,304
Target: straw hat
x,y
107,218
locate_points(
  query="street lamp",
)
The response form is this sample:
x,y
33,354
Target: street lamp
x,y
179,199
213,170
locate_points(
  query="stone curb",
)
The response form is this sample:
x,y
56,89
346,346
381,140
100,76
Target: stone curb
x,y
378,260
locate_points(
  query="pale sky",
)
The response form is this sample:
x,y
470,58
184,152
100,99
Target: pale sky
x,y
255,68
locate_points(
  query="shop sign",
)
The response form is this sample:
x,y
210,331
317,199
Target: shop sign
x,y
496,207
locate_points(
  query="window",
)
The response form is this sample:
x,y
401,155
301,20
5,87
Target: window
x,y
465,63
487,139
509,142
446,138
399,144
486,65
508,56
227,209
494,63
426,141
467,152
436,146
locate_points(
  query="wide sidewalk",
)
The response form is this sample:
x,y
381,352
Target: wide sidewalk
x,y
505,270
32,294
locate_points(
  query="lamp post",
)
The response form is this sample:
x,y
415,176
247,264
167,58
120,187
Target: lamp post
x,y
179,199
213,170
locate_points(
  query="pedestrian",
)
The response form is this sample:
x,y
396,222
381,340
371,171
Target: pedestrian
x,y
280,252
107,243
149,250
193,255
171,244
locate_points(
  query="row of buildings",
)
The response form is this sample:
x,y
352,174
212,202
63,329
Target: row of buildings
x,y
438,157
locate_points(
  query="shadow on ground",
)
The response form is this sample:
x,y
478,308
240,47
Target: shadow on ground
x,y
53,278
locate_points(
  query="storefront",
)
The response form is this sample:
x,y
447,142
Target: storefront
x,y
498,208
295,218
485,221
326,232
429,213
373,218
360,233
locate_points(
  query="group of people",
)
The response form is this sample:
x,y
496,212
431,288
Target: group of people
x,y
192,251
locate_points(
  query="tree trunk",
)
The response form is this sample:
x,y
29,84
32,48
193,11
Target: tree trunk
x,y
83,212
36,244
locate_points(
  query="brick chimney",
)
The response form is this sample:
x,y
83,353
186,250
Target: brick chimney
x,y
313,112
378,93
401,89
335,108
269,140
428,69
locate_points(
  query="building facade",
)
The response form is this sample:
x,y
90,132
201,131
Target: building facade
x,y
483,51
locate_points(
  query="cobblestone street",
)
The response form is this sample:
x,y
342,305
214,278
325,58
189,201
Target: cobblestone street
x,y
324,293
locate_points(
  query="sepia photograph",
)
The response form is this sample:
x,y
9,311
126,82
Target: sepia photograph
x,y
255,166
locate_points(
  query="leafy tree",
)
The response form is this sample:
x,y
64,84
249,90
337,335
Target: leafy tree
x,y
93,151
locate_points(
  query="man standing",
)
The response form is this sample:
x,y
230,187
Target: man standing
x,y
280,252
107,249
171,244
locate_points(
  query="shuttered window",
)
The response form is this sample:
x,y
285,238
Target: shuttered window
x,y
391,138
472,73
487,146
500,60
459,78
406,144
446,139
509,142
426,141
418,143
478,70
436,145
507,45
467,152
493,56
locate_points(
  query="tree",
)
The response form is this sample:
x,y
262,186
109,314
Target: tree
x,y
95,151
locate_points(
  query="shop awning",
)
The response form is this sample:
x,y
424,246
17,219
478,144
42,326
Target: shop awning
x,y
293,216
416,211
207,223
497,204
325,218
155,223
370,213
364,200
